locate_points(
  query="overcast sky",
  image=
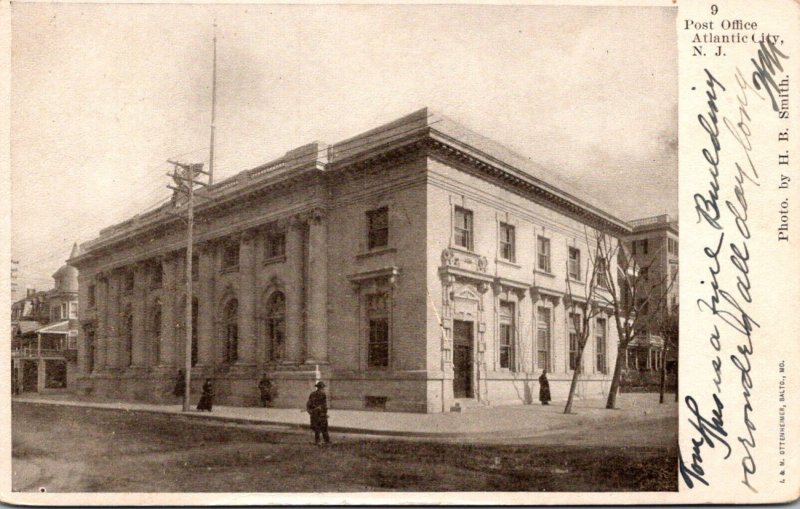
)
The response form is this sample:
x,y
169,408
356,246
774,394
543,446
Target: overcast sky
x,y
103,95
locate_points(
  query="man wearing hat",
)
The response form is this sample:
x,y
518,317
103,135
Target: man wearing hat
x,y
317,407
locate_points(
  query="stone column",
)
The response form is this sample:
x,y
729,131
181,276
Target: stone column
x,y
295,293
113,321
168,324
205,301
317,290
101,334
247,294
139,308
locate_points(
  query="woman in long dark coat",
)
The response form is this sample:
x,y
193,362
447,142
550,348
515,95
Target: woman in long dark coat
x,y
544,389
207,397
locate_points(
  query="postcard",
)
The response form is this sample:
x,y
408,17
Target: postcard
x,y
462,253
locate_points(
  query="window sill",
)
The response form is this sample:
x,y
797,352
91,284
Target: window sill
x,y
377,252
544,273
508,262
461,249
577,281
226,270
275,259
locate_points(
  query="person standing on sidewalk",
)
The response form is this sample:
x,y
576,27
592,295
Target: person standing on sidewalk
x,y
207,397
265,388
544,388
317,407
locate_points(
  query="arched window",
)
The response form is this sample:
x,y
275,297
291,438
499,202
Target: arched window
x,y
231,324
276,325
156,331
127,338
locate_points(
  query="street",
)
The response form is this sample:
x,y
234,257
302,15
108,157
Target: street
x,y
73,449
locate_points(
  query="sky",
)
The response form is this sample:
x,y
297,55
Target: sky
x,y
102,95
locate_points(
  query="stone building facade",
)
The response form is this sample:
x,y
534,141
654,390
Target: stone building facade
x,y
415,266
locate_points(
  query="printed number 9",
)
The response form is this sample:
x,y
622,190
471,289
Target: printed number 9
x,y
714,9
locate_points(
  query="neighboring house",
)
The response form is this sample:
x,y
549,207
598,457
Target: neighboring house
x,y
415,266
653,245
44,350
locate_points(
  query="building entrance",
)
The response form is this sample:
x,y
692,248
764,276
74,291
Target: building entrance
x,y
463,359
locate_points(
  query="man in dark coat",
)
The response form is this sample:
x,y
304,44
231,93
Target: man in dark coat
x,y
544,388
207,397
317,407
265,388
180,384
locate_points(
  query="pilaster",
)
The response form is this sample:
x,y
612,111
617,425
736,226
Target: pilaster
x,y
113,321
295,295
101,335
168,322
139,308
205,315
316,290
247,275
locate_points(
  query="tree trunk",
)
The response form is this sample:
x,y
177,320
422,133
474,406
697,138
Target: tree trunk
x,y
572,386
663,387
612,393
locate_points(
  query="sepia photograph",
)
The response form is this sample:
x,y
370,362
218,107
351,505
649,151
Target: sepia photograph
x,y
297,249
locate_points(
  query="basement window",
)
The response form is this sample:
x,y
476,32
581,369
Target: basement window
x,y
375,402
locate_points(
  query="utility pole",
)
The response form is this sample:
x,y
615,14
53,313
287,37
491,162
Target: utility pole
x,y
185,181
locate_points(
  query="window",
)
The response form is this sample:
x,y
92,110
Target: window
x,y
633,247
73,310
543,253
90,349
196,267
507,242
378,228
156,332
642,306
506,343
156,276
54,313
574,264
673,275
231,325
127,282
275,245
276,325
644,246
127,335
600,272
574,332
378,341
600,349
644,273
543,339
230,256
462,233
91,296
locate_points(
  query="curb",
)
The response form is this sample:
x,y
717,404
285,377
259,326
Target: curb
x,y
245,420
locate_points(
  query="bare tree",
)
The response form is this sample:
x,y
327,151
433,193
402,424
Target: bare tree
x,y
668,324
633,291
590,306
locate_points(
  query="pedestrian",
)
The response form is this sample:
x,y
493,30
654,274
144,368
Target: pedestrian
x,y
265,388
180,384
544,388
207,397
317,407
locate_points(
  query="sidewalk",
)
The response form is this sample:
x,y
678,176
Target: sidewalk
x,y
511,420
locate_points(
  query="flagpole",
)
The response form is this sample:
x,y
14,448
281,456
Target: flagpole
x,y
213,110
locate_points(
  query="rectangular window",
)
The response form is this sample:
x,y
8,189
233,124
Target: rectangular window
x,y
127,284
73,310
574,332
378,320
91,296
156,276
54,314
507,242
378,228
574,264
633,247
195,267
506,340
644,273
644,246
543,253
600,272
230,256
543,339
462,234
276,245
600,336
